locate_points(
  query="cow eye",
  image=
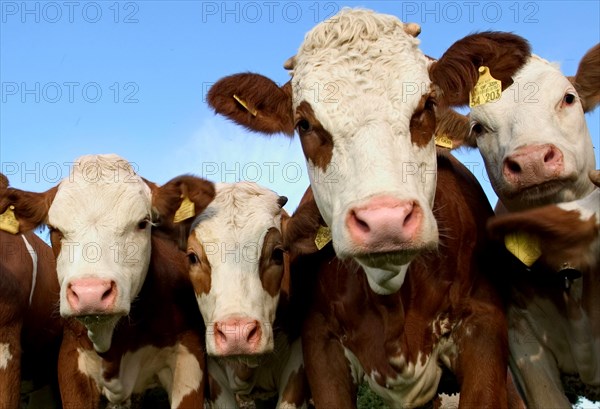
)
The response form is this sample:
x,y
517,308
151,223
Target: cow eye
x,y
568,99
429,104
303,126
143,224
193,257
477,129
277,255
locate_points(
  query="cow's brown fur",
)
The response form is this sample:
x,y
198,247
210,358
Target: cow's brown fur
x,y
274,117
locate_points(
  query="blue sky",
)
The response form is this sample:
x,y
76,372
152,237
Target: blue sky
x,y
81,77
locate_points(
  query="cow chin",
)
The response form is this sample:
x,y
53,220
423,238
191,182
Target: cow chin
x,y
550,192
100,329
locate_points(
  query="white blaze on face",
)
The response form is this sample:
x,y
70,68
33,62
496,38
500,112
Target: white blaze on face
x,y
534,134
235,253
358,81
100,219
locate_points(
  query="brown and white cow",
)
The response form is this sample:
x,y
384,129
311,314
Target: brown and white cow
x,y
30,327
238,265
534,140
408,292
555,309
132,321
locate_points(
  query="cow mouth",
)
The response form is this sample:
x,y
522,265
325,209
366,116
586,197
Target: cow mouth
x,y
93,320
539,194
388,260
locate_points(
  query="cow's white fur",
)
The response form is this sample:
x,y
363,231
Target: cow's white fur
x,y
175,368
97,209
529,113
378,75
232,231
5,355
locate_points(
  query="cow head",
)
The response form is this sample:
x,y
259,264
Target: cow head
x,y
101,219
534,140
236,266
363,101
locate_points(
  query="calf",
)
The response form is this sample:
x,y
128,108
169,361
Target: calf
x,y
409,292
237,268
30,327
555,310
124,289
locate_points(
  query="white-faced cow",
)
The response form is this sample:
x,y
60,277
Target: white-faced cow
x,y
534,140
555,313
30,326
132,321
237,268
408,293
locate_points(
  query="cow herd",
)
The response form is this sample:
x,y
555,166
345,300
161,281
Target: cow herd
x,y
399,274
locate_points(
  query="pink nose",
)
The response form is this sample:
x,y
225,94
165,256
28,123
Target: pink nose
x,y
384,223
237,336
532,165
88,296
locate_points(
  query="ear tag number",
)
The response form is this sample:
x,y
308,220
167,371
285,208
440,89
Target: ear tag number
x,y
323,237
185,211
486,90
8,221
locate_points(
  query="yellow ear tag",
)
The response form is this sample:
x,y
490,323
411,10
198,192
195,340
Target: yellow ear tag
x,y
185,211
443,141
524,246
486,90
8,221
245,105
323,237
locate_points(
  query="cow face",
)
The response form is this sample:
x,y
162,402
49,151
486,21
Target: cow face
x,y
534,140
100,219
362,98
236,266
369,144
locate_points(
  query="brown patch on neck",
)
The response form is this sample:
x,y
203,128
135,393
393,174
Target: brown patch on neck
x,y
422,122
317,142
200,273
271,264
296,388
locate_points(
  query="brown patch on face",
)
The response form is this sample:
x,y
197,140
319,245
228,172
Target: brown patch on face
x,y
296,389
422,122
317,143
56,241
271,262
199,267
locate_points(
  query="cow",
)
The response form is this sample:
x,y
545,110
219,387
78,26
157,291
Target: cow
x,y
240,274
534,139
130,317
30,327
555,311
404,290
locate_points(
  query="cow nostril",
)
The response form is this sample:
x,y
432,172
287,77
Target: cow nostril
x,y
253,333
513,166
361,224
549,156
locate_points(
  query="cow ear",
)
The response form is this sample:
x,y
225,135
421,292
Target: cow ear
x,y
301,229
178,202
587,79
254,101
22,211
457,72
454,126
